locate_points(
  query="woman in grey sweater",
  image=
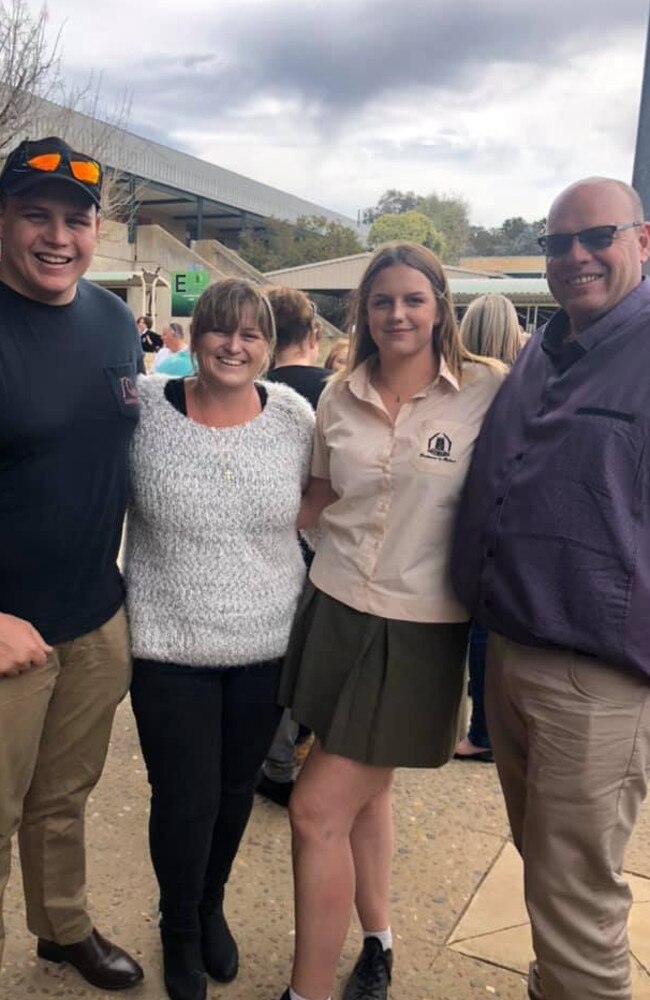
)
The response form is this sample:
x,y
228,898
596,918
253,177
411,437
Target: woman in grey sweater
x,y
213,571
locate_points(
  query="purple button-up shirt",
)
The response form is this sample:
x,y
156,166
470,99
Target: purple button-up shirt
x,y
552,543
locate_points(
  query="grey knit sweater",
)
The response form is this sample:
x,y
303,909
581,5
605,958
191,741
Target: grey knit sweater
x,y
213,565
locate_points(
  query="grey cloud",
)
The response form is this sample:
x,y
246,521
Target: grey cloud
x,y
334,60
341,57
443,151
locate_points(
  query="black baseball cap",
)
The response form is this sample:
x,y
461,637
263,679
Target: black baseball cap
x,y
37,160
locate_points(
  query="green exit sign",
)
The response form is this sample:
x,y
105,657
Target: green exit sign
x,y
187,287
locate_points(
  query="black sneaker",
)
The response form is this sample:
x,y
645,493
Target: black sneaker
x,y
372,973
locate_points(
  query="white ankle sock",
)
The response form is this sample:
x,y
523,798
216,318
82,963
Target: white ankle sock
x,y
386,937
296,996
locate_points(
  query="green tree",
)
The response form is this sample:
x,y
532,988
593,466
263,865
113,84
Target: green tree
x,y
392,202
448,213
514,237
481,242
324,239
520,237
412,226
450,216
312,239
271,248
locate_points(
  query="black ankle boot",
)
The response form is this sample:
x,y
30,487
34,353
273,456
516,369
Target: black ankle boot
x,y
183,969
218,946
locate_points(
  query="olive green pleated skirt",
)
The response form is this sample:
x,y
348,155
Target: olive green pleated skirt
x,y
376,690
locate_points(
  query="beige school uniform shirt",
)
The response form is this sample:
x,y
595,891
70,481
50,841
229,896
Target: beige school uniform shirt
x,y
386,542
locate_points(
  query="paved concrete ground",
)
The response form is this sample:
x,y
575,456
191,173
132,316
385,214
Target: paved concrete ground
x,y
457,909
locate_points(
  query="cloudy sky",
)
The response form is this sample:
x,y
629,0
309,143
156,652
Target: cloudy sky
x,y
501,101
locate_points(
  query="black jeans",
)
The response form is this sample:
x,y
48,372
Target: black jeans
x,y
204,733
478,731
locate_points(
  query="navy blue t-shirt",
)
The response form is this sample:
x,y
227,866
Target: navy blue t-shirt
x,y
68,406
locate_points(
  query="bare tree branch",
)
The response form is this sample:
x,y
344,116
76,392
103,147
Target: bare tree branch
x,y
29,65
30,72
98,135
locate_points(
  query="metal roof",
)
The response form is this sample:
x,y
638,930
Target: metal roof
x,y
340,274
535,263
151,161
506,286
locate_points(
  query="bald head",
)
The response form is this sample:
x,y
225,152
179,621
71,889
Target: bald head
x,y
590,277
595,188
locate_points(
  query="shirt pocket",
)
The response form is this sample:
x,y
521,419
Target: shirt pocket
x,y
599,475
439,448
122,380
603,449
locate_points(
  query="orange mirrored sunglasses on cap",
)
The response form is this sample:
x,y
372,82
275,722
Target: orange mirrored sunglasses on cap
x,y
86,171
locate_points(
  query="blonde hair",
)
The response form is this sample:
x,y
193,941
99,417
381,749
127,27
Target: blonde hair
x,y
490,327
340,346
220,306
445,342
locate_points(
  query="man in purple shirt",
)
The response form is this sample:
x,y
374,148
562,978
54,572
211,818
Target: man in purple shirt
x,y
552,554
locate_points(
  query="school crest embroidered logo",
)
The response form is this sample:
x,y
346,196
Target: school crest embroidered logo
x,y
439,448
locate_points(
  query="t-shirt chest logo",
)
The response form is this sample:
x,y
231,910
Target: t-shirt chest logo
x,y
439,447
129,391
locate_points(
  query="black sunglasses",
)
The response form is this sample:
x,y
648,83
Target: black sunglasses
x,y
596,238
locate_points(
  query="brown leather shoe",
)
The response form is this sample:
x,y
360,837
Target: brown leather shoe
x,y
99,961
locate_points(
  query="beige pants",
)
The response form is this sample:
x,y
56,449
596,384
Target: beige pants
x,y
55,725
571,737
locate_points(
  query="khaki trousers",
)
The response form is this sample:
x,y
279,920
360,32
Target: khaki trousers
x,y
55,725
571,738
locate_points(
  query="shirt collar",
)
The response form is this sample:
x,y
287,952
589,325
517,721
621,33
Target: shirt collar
x,y
361,386
446,373
563,353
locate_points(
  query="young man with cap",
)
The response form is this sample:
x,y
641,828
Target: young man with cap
x,y
69,355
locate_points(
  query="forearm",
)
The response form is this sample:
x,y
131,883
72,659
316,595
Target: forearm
x,y
318,495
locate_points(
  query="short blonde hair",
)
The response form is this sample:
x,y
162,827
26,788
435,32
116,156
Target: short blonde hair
x,y
340,346
490,328
219,309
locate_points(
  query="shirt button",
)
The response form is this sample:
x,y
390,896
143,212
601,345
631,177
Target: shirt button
x,y
519,457
490,553
499,501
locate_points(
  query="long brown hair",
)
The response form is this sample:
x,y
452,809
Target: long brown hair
x,y
445,342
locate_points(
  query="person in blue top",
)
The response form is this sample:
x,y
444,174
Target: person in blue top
x,y
179,364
